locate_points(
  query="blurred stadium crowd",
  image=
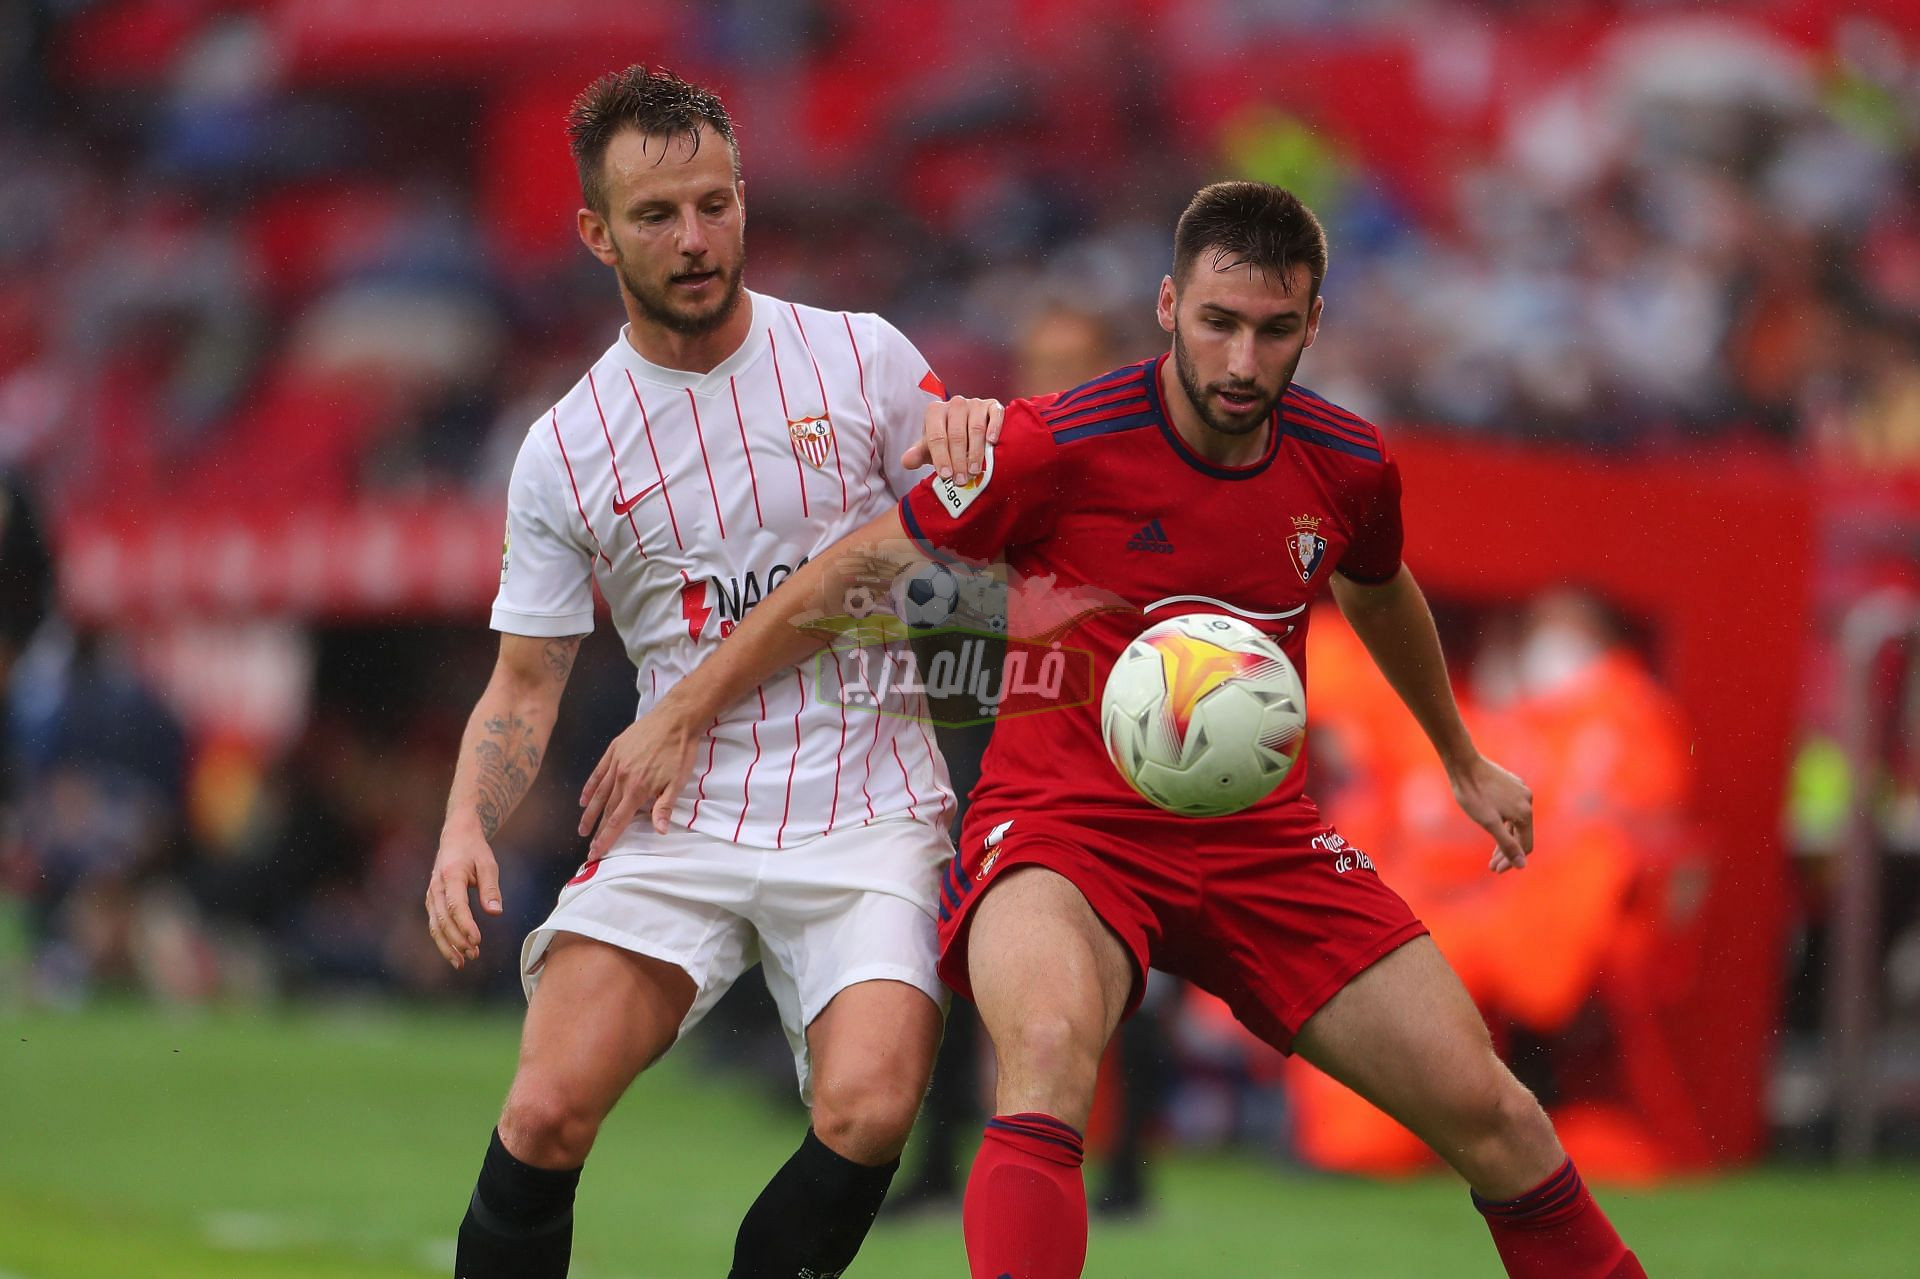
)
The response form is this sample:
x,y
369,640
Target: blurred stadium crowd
x,y
234,256
260,254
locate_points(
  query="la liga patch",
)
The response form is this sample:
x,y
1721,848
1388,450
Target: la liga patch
x,y
957,495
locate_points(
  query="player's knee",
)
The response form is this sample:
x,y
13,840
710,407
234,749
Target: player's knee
x,y
1525,1130
1493,1108
1501,1133
1505,1112
543,1126
866,1119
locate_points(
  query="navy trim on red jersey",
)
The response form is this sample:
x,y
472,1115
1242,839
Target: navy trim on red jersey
x,y
1106,381
1300,429
1105,398
1111,403
1131,400
920,539
1328,418
955,887
950,896
1331,408
1142,418
1193,459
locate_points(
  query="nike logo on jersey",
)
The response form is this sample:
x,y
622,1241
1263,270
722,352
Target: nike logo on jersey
x,y
1152,539
621,508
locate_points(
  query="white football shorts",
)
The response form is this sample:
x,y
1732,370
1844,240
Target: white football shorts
x,y
851,906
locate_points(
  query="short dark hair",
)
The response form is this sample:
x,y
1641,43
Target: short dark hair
x,y
1251,224
653,101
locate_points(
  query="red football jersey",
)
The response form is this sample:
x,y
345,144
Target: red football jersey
x,y
1109,523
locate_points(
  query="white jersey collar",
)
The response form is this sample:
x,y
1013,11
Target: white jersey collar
x,y
761,309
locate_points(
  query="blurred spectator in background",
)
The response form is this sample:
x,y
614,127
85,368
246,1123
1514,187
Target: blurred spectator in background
x,y
1565,696
26,583
103,780
26,598
224,283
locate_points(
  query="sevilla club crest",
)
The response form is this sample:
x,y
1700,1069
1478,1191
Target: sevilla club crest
x,y
812,438
1306,545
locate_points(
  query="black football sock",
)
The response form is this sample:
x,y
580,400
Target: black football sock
x,y
812,1216
519,1223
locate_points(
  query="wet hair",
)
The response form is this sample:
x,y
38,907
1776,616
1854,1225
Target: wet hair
x,y
1251,224
656,102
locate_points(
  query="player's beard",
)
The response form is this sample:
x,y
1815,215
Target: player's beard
x,y
1201,397
657,304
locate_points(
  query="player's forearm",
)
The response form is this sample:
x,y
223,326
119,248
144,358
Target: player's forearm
x,y
774,636
1393,621
501,752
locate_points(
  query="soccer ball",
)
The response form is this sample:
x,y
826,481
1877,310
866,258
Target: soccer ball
x,y
859,602
924,596
1203,715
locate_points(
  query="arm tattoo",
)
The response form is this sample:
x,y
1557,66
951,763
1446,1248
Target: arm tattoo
x,y
508,758
559,654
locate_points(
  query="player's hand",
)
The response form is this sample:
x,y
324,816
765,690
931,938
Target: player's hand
x,y
956,437
644,768
1502,805
464,862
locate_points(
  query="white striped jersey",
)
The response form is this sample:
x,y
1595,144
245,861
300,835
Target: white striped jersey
x,y
688,497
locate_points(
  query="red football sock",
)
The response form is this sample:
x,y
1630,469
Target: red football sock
x,y
1557,1231
1025,1215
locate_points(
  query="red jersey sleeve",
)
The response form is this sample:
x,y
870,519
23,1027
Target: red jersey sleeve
x,y
1373,555
1012,502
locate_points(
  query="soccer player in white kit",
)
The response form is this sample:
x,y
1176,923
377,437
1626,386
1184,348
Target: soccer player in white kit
x,y
721,440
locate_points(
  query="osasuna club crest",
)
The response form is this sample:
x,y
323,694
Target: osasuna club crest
x,y
1306,545
812,438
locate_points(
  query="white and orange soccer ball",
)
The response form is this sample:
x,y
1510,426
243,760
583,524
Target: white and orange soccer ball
x,y
1203,715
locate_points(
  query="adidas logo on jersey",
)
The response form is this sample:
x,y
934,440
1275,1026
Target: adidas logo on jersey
x,y
1151,538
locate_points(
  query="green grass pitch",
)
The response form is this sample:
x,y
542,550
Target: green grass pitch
x,y
137,1145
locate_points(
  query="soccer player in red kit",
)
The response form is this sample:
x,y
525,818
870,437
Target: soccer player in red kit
x,y
1202,481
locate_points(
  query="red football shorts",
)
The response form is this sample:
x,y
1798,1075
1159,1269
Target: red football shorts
x,y
1273,913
